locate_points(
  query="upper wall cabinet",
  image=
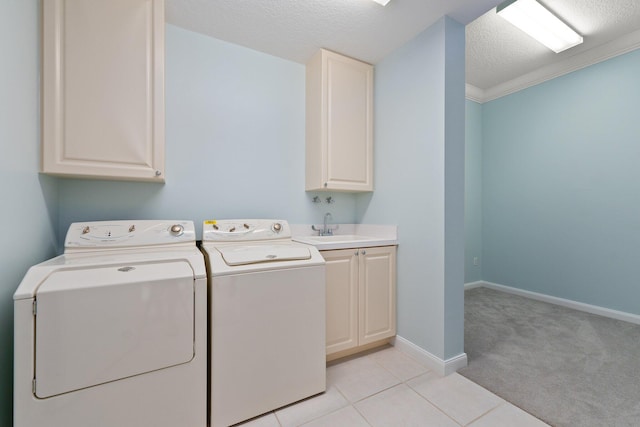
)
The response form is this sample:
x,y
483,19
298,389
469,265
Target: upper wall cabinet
x,y
103,89
339,121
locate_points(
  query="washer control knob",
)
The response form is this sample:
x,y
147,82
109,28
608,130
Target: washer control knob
x,y
277,227
176,229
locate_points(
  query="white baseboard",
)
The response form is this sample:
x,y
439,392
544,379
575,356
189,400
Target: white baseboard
x,y
593,309
428,360
472,285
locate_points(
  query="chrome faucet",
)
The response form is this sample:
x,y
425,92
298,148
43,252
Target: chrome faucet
x,y
326,230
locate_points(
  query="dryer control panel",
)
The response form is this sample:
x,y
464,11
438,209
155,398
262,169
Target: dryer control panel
x,y
245,230
128,234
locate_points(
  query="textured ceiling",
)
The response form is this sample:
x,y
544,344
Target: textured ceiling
x,y
498,52
296,29
497,55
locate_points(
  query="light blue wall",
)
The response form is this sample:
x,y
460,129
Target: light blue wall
x,y
419,161
235,147
561,205
235,137
28,212
454,164
473,192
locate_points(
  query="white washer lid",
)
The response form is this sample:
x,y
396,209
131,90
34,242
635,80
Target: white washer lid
x,y
243,255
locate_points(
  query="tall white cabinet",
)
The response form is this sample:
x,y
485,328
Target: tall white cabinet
x,y
103,89
339,123
361,298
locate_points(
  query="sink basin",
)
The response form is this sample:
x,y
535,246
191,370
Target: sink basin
x,y
349,236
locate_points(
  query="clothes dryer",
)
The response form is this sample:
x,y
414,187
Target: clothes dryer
x,y
114,331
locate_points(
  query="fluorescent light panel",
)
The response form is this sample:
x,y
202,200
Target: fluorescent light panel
x,y
382,2
532,18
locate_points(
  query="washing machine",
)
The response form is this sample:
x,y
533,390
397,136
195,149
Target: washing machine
x,y
267,318
113,333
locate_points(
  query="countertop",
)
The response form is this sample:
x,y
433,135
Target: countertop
x,y
347,236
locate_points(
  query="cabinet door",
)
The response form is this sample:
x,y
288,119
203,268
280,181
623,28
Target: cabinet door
x,y
349,123
103,89
377,308
339,123
342,299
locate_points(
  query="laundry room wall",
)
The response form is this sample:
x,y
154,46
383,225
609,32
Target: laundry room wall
x,y
473,193
561,212
419,172
28,213
235,131
235,144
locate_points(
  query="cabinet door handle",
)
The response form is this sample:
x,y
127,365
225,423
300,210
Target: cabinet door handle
x,y
364,252
357,253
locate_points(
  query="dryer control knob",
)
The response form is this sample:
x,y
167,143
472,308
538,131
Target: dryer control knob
x,y
277,227
176,230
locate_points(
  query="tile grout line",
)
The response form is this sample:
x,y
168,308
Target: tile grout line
x,y
434,405
366,420
277,419
404,382
411,388
330,412
504,402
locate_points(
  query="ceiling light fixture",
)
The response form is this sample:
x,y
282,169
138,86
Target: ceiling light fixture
x,y
532,18
382,2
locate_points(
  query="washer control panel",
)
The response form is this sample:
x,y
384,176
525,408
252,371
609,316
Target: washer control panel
x,y
244,230
134,233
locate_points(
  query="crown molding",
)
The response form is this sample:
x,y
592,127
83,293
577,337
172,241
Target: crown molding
x,y
589,57
474,93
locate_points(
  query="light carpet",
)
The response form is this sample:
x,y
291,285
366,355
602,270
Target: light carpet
x,y
566,367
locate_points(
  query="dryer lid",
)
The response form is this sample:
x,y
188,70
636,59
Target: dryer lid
x,y
243,255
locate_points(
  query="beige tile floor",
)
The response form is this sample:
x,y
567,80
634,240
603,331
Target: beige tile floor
x,y
388,388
